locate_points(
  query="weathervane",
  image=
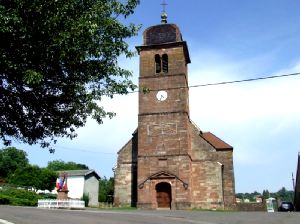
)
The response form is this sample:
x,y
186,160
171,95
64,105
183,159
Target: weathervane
x,y
164,15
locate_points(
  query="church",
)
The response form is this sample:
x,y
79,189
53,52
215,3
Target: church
x,y
169,163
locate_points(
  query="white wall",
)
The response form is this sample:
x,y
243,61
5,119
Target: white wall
x,y
75,187
92,189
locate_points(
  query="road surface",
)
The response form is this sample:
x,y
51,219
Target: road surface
x,y
25,215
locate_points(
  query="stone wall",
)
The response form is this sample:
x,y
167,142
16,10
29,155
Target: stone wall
x,y
251,207
206,185
207,173
125,185
225,157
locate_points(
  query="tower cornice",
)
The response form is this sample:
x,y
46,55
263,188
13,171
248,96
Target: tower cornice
x,y
167,45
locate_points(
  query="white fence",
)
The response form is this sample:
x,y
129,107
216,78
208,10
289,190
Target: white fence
x,y
71,204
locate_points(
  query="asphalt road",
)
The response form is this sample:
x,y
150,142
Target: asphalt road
x,y
25,215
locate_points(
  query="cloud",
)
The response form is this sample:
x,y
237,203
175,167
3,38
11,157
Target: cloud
x,y
241,101
260,119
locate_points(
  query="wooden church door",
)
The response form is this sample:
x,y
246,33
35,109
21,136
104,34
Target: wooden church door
x,y
163,195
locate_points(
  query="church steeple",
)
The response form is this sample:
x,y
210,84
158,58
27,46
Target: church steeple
x,y
167,163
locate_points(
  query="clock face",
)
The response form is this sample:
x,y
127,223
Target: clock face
x,y
162,95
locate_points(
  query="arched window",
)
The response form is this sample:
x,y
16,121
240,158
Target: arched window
x,y
157,64
165,63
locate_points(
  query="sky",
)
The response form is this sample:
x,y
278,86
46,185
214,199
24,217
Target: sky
x,y
227,40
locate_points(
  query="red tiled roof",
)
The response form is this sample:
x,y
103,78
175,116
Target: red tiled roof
x,y
215,141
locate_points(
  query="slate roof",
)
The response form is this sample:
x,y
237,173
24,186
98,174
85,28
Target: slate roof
x,y
216,142
72,173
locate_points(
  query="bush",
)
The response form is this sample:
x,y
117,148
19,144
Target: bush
x,y
86,198
48,196
4,200
23,202
18,197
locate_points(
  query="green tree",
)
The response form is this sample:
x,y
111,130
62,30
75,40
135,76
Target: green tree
x,y
34,176
106,190
57,60
284,195
47,179
266,194
59,165
10,159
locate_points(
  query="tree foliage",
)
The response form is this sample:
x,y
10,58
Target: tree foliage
x,y
15,169
283,194
34,176
106,190
11,158
59,165
266,194
57,60
47,179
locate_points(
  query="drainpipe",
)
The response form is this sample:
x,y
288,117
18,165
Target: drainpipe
x,y
222,182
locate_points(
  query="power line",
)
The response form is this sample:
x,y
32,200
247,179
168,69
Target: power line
x,y
146,90
84,150
245,80
192,86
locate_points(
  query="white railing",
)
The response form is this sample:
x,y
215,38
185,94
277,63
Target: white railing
x,y
71,204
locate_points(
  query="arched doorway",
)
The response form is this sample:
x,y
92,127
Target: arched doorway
x,y
163,195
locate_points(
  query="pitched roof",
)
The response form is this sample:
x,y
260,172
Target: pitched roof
x,y
72,173
129,141
216,142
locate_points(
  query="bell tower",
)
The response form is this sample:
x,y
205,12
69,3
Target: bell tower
x,y
164,145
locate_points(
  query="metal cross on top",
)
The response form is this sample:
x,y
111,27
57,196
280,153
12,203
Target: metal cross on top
x,y
164,15
164,4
